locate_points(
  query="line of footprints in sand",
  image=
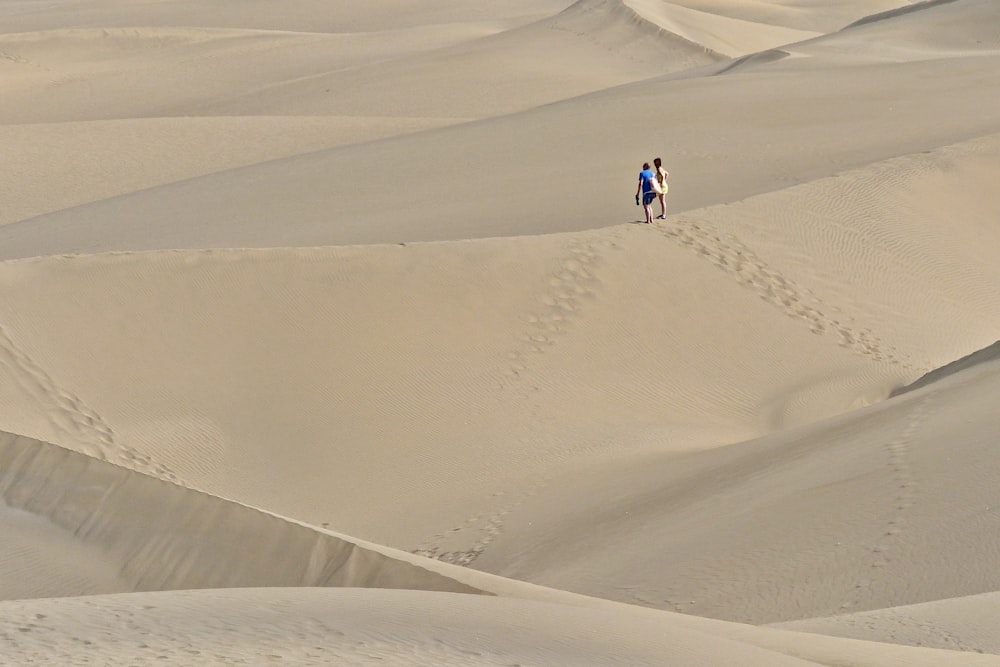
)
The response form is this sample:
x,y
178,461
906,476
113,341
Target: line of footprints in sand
x,y
575,282
904,495
487,529
905,483
561,301
68,414
567,289
735,258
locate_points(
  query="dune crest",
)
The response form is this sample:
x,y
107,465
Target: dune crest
x,y
349,626
190,539
716,33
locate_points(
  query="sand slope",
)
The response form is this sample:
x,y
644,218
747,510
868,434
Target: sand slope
x,y
537,171
958,624
310,625
328,334
354,627
476,382
755,522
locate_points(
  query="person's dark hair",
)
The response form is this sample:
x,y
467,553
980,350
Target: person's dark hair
x,y
657,162
645,165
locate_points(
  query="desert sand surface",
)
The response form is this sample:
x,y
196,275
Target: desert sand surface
x,y
330,333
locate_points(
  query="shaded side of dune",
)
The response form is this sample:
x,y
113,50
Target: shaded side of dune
x,y
899,11
162,537
981,356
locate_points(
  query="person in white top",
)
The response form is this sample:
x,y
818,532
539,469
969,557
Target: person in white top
x,y
661,178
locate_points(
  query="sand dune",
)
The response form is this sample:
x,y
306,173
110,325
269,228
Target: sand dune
x,y
328,335
97,160
199,541
294,16
926,30
354,627
820,16
754,522
957,624
575,179
307,624
436,70
99,74
470,368
718,33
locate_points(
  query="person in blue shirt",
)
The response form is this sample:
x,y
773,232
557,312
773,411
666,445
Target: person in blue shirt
x,y
647,178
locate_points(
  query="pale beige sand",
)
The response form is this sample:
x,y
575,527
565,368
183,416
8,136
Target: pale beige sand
x,y
812,15
98,504
305,309
97,160
958,624
868,500
563,166
360,627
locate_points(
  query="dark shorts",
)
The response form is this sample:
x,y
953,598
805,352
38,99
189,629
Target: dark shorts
x,y
648,198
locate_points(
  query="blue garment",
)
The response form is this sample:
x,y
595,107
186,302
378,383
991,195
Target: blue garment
x,y
647,176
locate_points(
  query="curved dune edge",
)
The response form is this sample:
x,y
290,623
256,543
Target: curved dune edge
x,y
163,536
155,535
822,18
978,357
99,73
959,624
98,160
919,228
292,16
401,627
917,6
643,21
847,514
928,30
151,288
239,207
717,34
100,503
918,505
479,330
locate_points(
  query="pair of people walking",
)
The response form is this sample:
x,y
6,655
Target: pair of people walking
x,y
652,187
